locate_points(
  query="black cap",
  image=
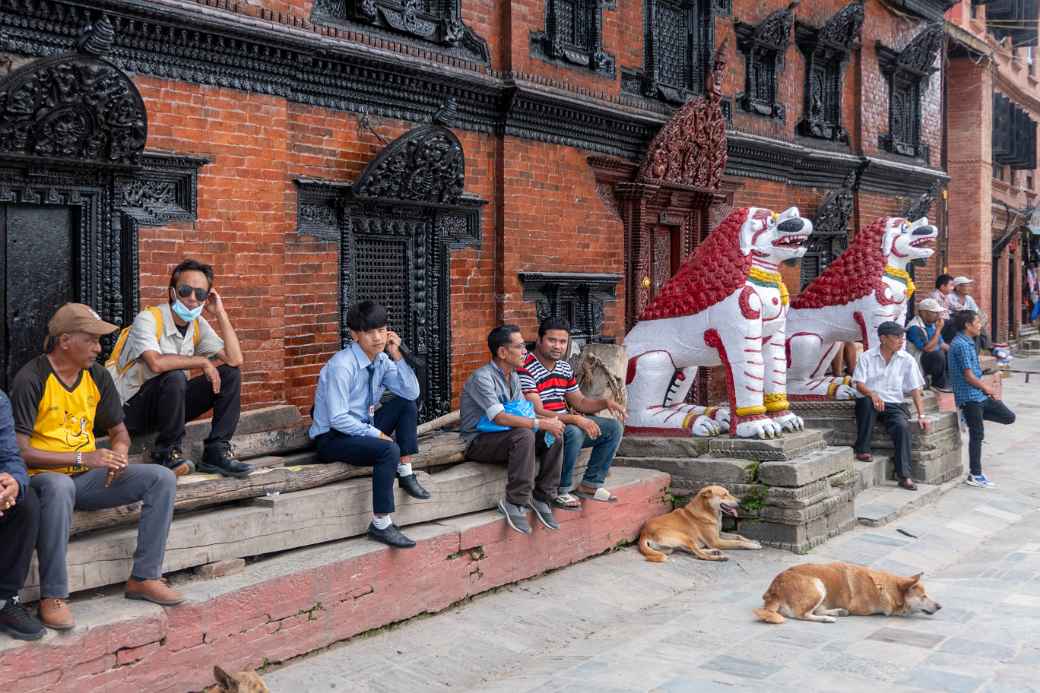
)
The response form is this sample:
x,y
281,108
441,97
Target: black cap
x,y
890,328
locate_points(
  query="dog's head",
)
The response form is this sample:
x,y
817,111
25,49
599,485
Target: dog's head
x,y
719,499
241,682
915,598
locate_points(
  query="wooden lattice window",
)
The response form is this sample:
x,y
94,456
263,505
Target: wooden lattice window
x,y
907,72
574,35
826,51
678,40
764,46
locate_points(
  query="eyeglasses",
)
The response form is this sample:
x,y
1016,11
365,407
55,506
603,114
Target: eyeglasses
x,y
200,294
521,345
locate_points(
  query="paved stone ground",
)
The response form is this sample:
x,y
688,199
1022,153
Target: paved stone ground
x,y
618,623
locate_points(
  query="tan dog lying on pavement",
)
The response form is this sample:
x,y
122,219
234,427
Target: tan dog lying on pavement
x,y
695,527
816,592
242,682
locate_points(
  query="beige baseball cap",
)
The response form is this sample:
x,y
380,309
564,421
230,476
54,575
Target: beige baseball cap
x,y
77,317
931,305
963,280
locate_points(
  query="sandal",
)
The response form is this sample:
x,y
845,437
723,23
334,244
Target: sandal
x,y
602,495
566,501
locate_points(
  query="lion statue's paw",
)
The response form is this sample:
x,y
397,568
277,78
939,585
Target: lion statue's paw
x,y
763,427
721,417
845,392
706,427
789,421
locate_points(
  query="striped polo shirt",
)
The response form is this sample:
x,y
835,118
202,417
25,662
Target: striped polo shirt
x,y
551,386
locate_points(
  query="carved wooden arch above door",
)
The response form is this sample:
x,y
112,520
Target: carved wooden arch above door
x,y
396,227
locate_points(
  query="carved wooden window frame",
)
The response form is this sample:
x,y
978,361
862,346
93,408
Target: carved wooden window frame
x,y
907,73
826,51
699,32
554,45
764,46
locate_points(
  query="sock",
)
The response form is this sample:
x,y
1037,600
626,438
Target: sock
x,y
381,522
404,469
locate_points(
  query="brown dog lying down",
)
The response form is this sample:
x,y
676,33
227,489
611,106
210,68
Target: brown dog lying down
x,y
242,682
816,592
696,527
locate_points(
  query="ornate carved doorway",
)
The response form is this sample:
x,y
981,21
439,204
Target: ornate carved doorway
x,y
75,184
396,227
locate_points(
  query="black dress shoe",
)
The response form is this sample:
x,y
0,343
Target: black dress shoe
x,y
219,459
410,485
391,536
908,484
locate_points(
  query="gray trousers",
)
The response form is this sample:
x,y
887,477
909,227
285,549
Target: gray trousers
x,y
60,494
522,449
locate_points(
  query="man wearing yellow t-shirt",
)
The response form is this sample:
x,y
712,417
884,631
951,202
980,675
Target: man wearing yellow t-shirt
x,y
59,398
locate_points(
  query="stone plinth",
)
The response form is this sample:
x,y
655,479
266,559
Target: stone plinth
x,y
935,455
796,491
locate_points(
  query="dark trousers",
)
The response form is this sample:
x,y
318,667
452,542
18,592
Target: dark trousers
x,y
933,363
169,400
974,414
18,529
398,417
521,449
896,419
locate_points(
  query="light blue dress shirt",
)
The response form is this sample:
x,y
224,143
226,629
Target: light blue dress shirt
x,y
345,393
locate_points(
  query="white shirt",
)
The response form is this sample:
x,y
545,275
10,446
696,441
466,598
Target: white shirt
x,y
142,339
892,380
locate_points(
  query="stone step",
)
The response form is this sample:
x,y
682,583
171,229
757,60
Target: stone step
x,y
278,522
882,504
788,446
305,600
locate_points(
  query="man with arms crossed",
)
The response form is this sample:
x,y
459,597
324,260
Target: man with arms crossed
x,y
59,398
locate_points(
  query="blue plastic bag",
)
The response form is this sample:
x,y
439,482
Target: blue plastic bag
x,y
516,407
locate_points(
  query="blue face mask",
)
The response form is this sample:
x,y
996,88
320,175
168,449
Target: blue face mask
x,y
187,314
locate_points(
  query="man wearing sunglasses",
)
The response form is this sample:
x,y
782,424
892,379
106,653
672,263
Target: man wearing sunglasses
x,y
165,343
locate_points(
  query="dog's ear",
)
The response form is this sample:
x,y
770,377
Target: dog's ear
x,y
909,582
224,679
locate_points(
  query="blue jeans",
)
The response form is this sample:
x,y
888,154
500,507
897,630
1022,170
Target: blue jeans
x,y
603,450
398,417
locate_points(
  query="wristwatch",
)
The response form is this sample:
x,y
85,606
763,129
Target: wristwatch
x,y
79,458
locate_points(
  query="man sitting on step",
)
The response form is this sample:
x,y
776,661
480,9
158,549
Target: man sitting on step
x,y
493,434
348,427
59,399
548,382
19,524
150,362
924,341
884,374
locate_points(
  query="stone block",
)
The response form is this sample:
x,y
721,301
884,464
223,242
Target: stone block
x,y
221,568
695,472
801,516
806,468
661,446
801,538
787,447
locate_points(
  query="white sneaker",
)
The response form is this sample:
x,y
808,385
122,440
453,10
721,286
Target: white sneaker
x,y
979,480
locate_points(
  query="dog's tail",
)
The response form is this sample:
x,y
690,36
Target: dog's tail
x,y
651,553
770,611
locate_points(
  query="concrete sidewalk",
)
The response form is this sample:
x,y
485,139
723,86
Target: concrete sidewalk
x,y
618,623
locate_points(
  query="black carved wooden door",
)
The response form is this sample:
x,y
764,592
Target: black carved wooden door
x,y
39,264
666,257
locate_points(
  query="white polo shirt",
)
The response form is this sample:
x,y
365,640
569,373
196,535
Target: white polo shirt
x,y
890,381
142,339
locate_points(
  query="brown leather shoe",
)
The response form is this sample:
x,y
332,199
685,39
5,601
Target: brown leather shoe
x,y
864,456
908,484
154,591
56,614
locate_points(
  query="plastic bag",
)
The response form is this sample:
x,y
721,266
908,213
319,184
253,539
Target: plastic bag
x,y
516,407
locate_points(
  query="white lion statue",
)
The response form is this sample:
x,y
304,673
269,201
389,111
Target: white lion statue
x,y
726,305
867,285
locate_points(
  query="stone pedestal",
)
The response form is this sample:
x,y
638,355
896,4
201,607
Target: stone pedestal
x,y
935,456
796,491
